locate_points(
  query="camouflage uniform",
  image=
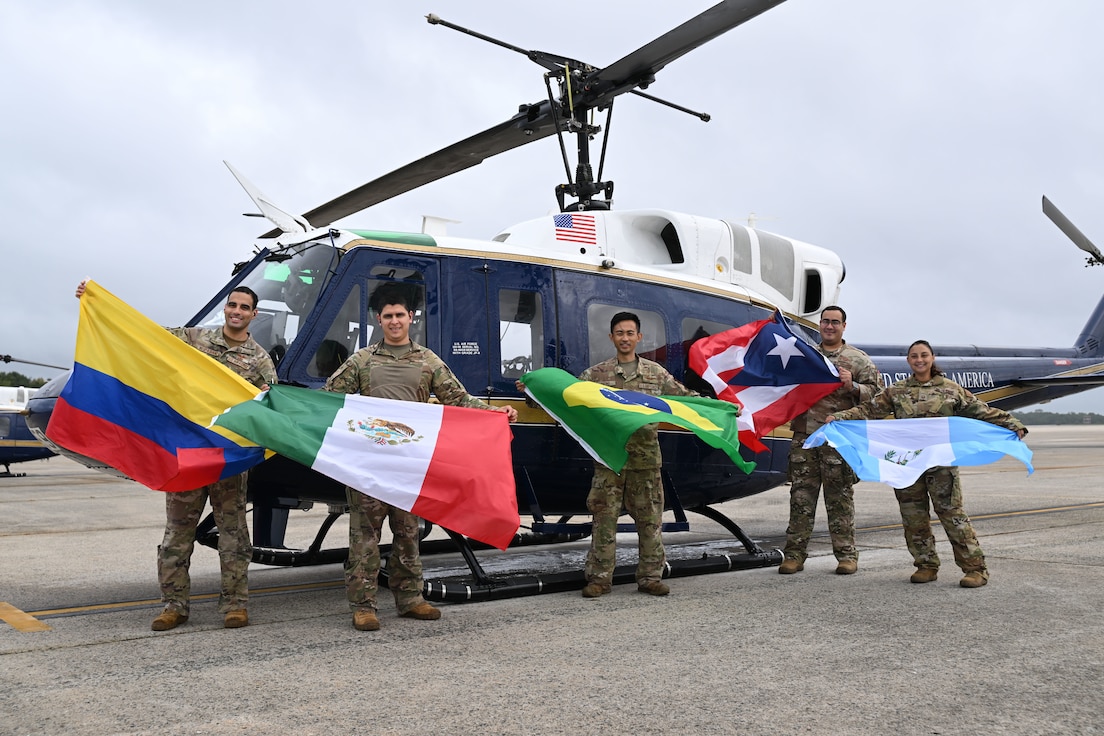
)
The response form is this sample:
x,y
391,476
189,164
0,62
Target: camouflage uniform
x,y
182,510
639,487
812,468
939,397
410,376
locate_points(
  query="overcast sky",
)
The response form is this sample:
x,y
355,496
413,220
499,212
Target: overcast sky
x,y
916,139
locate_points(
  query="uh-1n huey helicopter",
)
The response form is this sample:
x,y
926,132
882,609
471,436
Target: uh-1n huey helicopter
x,y
17,443
540,293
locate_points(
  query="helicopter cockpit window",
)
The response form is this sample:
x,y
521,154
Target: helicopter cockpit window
x,y
384,284
288,286
5,426
520,332
653,344
341,339
694,329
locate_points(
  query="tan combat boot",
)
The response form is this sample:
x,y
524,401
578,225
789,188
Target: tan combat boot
x,y
974,579
424,612
170,618
236,619
847,567
789,566
924,575
593,590
365,620
653,587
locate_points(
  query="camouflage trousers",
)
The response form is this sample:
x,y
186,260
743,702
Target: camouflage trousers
x,y
404,565
941,485
641,493
810,470
174,556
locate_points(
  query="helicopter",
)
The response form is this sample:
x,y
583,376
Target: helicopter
x,y
498,308
17,443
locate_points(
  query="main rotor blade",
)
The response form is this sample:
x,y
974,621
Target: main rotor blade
x,y
1071,230
639,67
517,131
536,121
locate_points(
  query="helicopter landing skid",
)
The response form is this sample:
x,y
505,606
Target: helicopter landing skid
x,y
476,584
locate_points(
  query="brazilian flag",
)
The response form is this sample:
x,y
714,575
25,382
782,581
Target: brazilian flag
x,y
602,419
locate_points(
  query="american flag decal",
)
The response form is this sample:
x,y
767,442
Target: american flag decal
x,y
576,229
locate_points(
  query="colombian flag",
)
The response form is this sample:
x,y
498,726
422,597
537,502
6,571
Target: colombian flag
x,y
602,419
140,399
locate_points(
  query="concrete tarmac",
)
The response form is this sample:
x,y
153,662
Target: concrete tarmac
x,y
748,652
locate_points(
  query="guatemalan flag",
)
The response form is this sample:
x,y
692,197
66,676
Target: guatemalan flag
x,y
899,451
140,399
448,464
766,369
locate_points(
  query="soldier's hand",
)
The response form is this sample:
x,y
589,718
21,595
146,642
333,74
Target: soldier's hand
x,y
509,411
80,289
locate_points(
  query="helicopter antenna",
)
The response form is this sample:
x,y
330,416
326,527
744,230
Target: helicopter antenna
x,y
1095,258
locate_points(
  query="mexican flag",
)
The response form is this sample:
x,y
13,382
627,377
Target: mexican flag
x,y
447,464
602,418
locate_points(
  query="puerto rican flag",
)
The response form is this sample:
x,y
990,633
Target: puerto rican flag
x,y
767,370
576,228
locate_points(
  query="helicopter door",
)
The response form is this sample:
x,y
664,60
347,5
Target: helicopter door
x,y
498,325
345,319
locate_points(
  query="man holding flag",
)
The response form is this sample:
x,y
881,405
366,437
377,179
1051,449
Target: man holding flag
x,y
639,487
816,467
232,346
394,368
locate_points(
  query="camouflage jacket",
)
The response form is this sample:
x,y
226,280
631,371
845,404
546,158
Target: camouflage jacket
x,y
939,397
249,360
864,376
650,378
419,371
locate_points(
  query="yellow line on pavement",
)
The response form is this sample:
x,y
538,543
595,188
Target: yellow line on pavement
x,y
19,620
202,597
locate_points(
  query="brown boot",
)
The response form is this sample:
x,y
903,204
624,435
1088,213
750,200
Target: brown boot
x,y
236,619
653,587
424,612
924,575
847,567
974,579
365,620
170,618
789,566
593,590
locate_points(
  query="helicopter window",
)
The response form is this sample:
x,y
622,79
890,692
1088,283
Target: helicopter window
x,y
341,339
653,344
813,292
741,249
694,329
288,286
5,426
520,332
777,259
385,283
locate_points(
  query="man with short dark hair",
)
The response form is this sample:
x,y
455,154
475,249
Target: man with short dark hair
x,y
394,368
233,346
822,466
639,487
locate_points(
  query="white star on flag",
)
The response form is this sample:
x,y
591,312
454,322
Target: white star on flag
x,y
785,348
